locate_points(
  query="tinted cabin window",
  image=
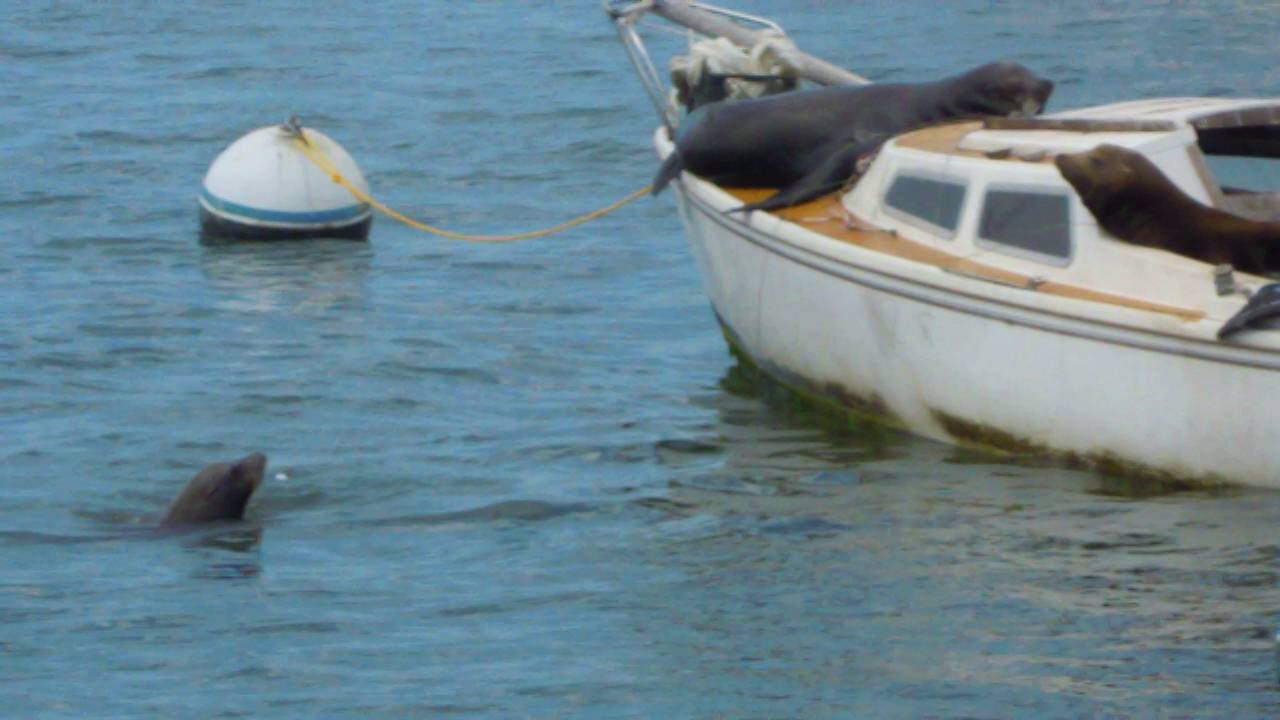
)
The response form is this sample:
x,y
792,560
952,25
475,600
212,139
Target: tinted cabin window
x,y
1030,221
934,201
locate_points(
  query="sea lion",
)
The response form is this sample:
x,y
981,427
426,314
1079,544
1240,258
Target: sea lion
x,y
1134,201
219,492
808,142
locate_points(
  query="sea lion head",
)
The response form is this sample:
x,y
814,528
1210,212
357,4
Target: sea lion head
x,y
1107,176
1129,196
219,492
1002,89
1132,199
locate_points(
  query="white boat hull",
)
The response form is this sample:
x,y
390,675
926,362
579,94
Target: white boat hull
x,y
968,362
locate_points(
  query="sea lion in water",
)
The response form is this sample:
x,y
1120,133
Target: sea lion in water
x,y
1135,202
219,492
808,142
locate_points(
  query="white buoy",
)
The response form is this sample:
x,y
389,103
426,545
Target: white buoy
x,y
262,187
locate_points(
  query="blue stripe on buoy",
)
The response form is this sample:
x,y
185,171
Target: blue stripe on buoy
x,y
320,217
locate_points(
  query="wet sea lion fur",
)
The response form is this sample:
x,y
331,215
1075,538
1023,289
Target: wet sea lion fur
x,y
220,491
808,142
1134,201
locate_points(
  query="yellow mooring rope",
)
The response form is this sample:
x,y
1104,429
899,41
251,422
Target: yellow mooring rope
x,y
322,161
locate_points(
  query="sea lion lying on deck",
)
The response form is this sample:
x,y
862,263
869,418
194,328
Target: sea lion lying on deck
x,y
1135,202
219,492
808,142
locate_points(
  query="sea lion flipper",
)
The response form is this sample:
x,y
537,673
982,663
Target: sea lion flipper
x,y
827,177
1262,309
671,168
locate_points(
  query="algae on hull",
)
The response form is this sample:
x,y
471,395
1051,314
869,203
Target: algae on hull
x,y
835,407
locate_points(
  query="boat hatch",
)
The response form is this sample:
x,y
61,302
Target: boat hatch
x,y
1028,138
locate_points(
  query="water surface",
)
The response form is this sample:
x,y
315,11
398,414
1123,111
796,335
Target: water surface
x,y
528,480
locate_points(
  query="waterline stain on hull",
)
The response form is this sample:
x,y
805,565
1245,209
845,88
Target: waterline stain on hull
x,y
831,406
837,405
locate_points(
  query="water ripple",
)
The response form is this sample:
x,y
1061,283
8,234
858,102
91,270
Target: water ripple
x,y
506,511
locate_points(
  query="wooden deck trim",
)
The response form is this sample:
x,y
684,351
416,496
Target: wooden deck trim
x,y
1080,125
945,140
827,216
941,138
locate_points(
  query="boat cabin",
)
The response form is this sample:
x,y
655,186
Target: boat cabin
x,y
989,191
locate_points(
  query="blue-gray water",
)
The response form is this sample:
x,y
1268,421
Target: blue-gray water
x,y
526,480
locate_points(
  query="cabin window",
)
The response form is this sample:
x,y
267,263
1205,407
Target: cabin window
x,y
937,203
1027,223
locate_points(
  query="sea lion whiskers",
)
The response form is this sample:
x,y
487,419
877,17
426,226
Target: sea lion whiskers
x,y
1030,108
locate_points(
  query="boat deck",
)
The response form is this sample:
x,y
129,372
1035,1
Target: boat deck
x,y
828,216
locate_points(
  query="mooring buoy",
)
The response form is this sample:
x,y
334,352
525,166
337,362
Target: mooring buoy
x,y
262,187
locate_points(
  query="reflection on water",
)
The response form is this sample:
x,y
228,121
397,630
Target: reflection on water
x,y
924,569
228,551
507,511
307,278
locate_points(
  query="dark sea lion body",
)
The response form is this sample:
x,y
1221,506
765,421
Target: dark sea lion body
x,y
1134,201
219,492
808,142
